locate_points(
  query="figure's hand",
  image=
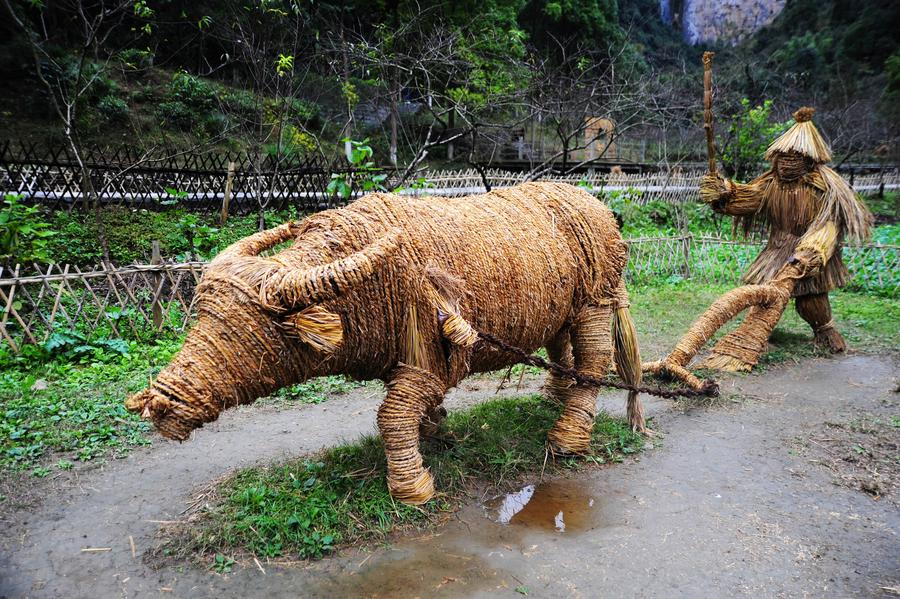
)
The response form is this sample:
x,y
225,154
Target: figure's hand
x,y
808,263
712,189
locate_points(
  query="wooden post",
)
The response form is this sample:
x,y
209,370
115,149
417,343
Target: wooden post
x,y
686,246
226,199
156,259
6,311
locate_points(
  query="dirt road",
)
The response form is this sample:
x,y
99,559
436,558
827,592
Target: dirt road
x,y
727,503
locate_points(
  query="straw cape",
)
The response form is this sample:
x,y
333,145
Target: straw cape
x,y
809,210
394,288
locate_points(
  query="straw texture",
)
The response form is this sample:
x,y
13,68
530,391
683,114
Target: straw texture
x,y
802,138
395,288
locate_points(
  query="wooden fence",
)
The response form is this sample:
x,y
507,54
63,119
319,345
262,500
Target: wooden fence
x,y
154,179
139,301
672,186
203,181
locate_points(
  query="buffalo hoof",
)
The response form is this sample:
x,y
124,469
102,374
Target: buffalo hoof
x,y
412,491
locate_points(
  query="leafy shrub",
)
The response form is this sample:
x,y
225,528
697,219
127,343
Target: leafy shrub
x,y
135,59
199,235
887,234
176,115
100,84
749,134
369,178
130,234
113,109
72,345
804,55
188,103
294,142
305,112
194,93
215,123
242,105
24,234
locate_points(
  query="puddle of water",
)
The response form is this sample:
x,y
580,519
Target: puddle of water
x,y
563,506
424,570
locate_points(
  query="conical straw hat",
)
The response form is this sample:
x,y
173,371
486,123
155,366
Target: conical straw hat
x,y
803,138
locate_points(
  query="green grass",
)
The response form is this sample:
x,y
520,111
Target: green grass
x,y
71,406
662,312
310,506
885,208
315,391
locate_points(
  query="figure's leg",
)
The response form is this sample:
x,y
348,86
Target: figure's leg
x,y
816,310
412,392
559,350
592,352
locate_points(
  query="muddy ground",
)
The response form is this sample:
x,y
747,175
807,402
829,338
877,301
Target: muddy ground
x,y
731,500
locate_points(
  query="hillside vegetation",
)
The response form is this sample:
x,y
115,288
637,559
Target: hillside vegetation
x,y
280,76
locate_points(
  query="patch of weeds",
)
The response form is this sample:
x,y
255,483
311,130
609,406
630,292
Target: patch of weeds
x,y
862,453
315,391
309,507
55,405
222,564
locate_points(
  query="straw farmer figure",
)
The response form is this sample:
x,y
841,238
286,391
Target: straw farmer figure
x,y
809,210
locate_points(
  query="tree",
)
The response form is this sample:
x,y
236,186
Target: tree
x,y
749,133
270,45
86,29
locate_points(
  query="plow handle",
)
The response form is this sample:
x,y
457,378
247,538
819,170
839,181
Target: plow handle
x,y
707,112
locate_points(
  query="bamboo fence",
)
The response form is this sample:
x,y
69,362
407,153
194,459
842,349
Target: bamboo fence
x,y
142,300
210,182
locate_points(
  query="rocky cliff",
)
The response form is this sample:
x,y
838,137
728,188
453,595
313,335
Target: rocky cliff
x,y
729,21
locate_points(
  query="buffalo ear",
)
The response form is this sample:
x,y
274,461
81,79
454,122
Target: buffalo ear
x,y
317,327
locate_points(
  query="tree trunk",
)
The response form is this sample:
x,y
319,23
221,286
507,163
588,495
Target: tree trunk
x,y
395,118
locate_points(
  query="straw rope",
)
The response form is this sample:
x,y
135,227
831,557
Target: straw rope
x,y
708,388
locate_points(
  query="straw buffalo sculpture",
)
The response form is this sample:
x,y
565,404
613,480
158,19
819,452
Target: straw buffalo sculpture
x,y
395,289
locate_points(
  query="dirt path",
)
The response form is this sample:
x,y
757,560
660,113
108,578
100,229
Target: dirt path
x,y
724,505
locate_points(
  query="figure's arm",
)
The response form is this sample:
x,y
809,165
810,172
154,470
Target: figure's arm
x,y
816,247
734,199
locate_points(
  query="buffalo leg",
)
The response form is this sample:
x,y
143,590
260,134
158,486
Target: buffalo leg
x,y
592,352
431,421
559,350
412,393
